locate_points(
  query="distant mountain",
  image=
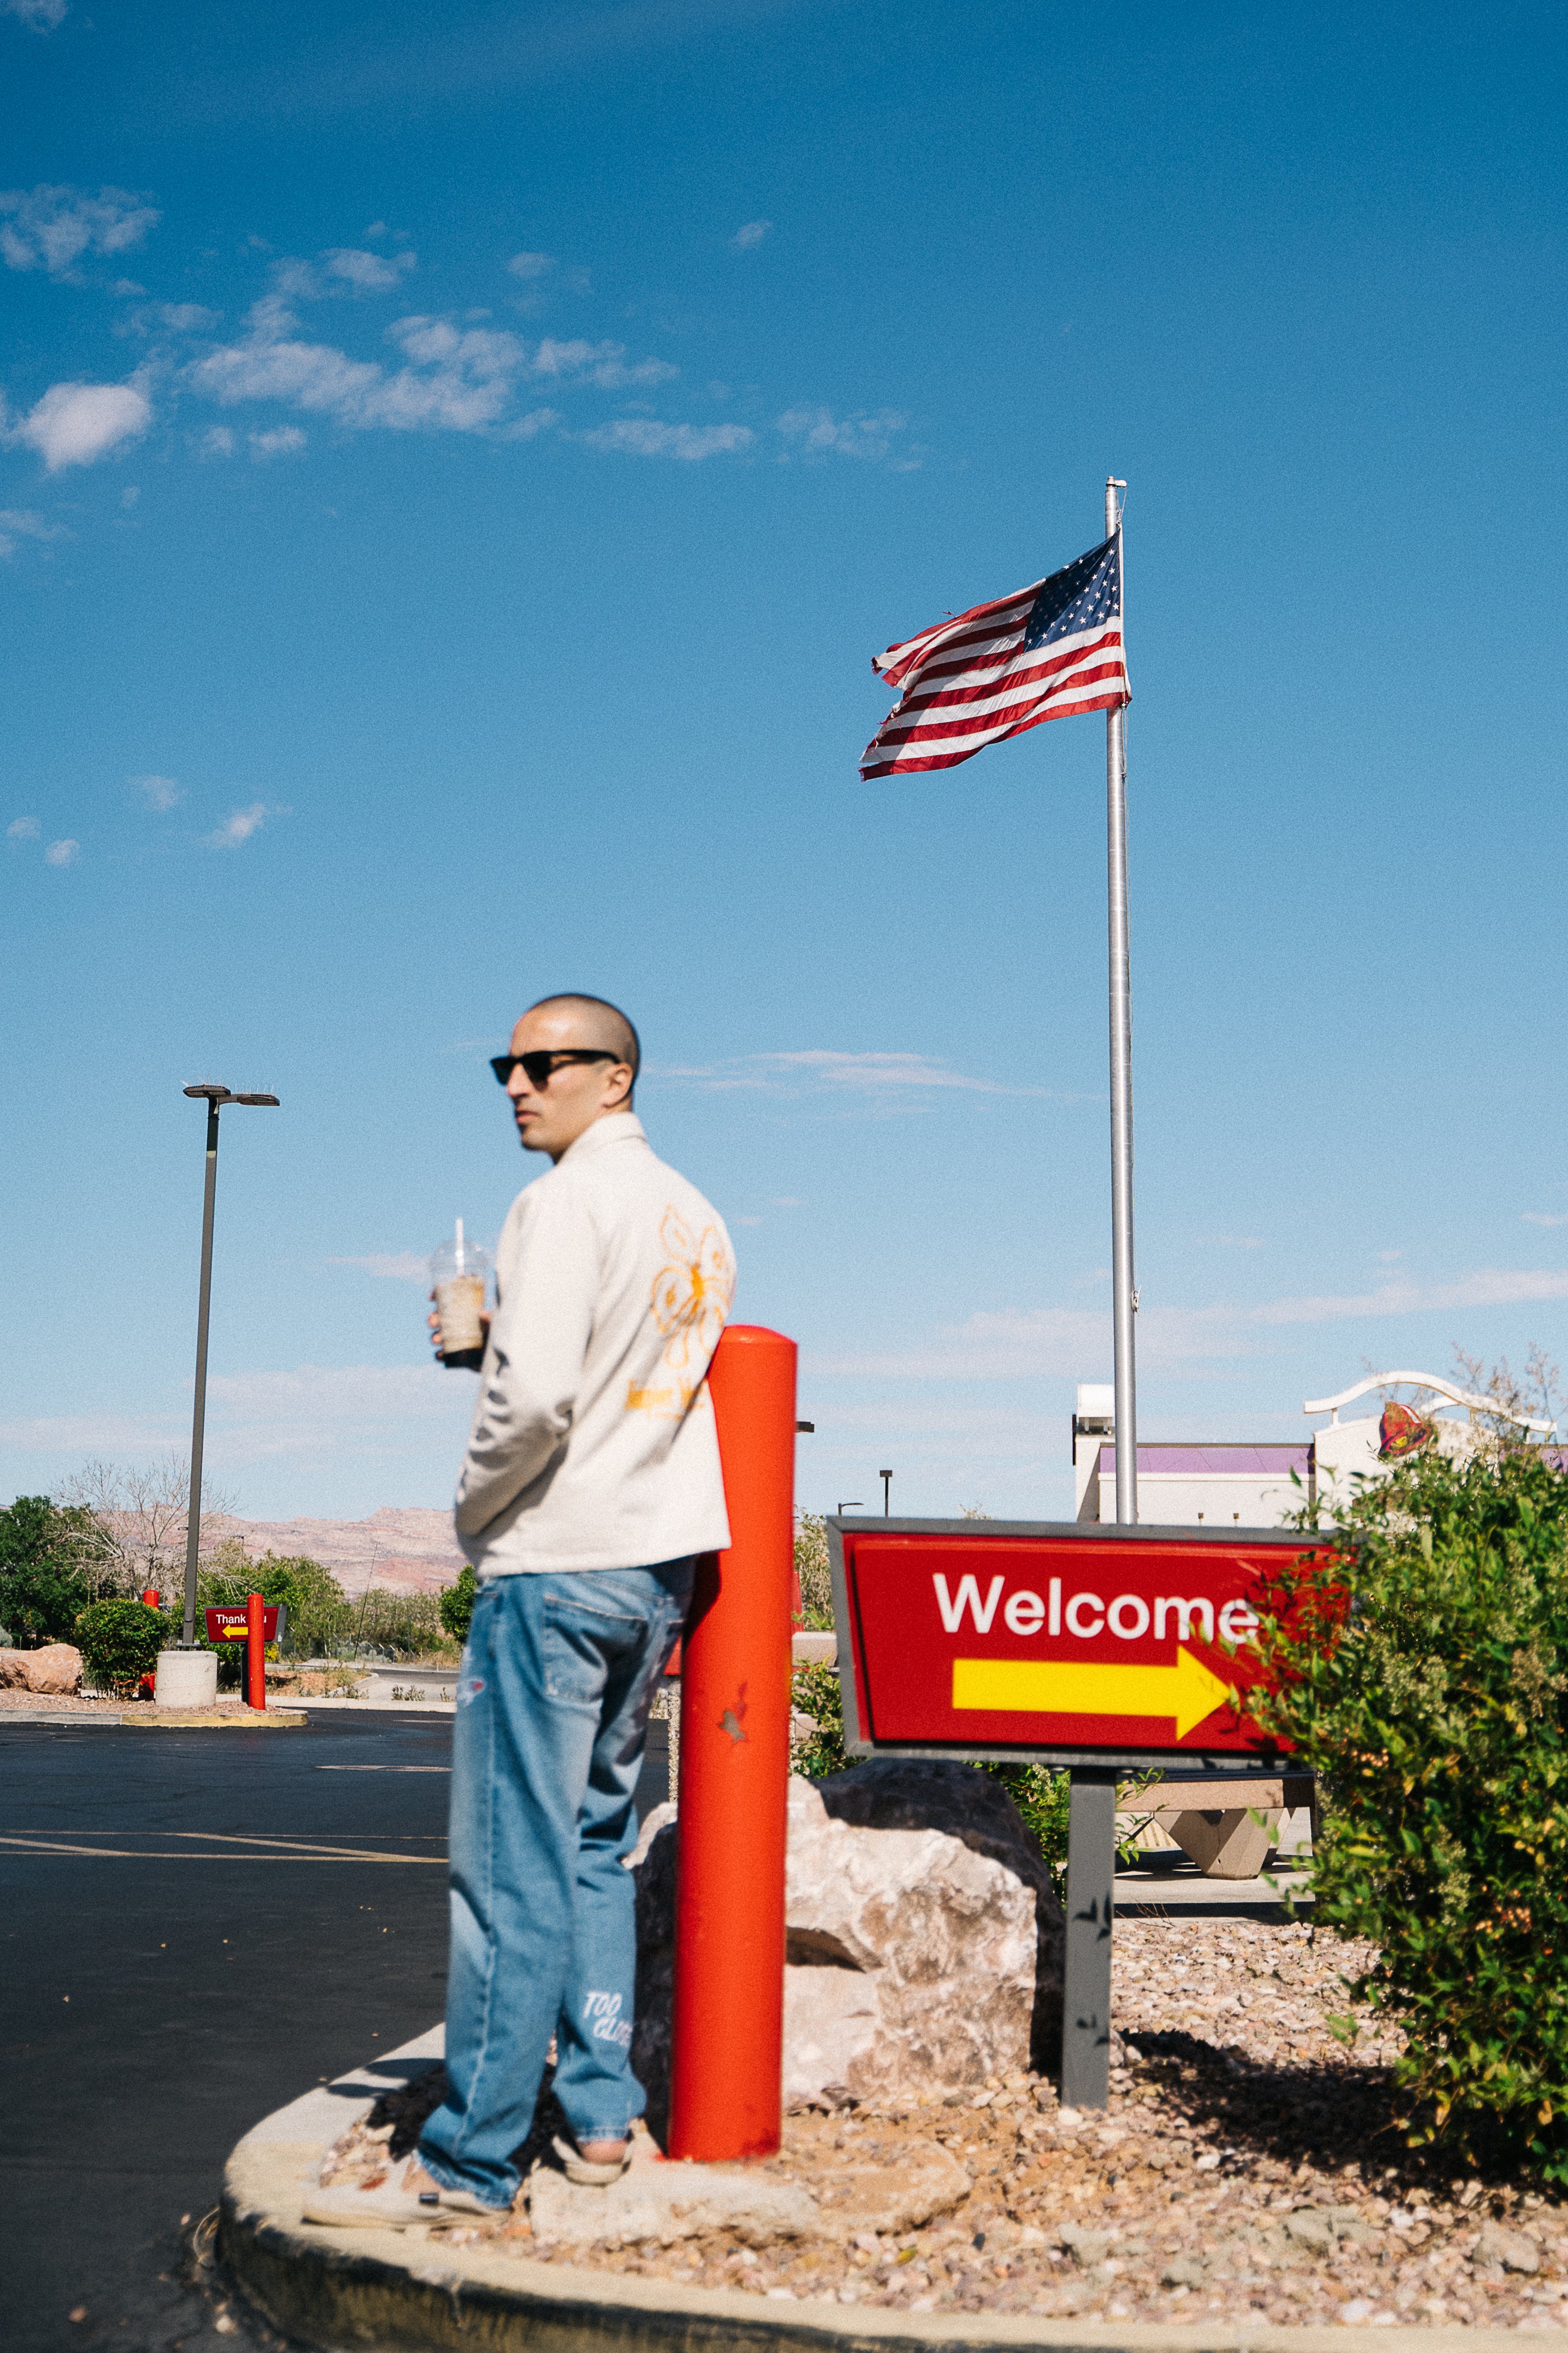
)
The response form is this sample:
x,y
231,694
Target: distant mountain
x,y
409,1551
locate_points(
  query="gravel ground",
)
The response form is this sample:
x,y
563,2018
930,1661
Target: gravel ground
x,y
87,1705
1248,2168
11,1699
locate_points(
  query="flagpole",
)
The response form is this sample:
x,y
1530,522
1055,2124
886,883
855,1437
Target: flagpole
x,y
1125,1295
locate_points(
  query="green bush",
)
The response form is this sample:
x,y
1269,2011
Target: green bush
x,y
319,1610
400,1624
1421,1672
119,1643
456,1605
52,1561
814,1692
812,1569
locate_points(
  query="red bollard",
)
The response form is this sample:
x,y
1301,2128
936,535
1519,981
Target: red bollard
x,y
255,1653
151,1600
728,2057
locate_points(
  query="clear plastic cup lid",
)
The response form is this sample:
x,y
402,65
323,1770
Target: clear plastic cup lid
x,y
458,1256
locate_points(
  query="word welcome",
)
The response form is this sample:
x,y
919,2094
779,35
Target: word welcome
x,y
1086,1615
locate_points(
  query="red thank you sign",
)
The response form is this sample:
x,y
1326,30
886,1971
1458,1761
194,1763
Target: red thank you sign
x,y
227,1625
1076,1643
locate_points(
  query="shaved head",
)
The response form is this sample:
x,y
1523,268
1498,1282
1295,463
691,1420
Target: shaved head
x,y
601,1024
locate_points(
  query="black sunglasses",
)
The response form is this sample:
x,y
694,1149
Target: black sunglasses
x,y
540,1066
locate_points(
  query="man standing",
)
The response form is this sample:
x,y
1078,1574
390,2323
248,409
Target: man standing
x,y
591,1480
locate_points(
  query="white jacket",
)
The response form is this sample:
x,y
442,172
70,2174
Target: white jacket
x,y
593,1444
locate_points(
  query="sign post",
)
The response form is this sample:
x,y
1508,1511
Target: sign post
x,y
1097,1648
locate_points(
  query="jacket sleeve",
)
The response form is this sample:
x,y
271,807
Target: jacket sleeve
x,y
534,1366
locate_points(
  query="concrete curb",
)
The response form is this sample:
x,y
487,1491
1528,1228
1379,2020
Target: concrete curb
x,y
398,2291
179,1719
110,1720
387,1707
168,1719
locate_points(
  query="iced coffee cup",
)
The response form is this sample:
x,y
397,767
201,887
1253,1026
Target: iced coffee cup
x,y
459,1270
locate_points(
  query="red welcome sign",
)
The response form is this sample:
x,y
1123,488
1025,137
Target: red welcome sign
x,y
1074,1643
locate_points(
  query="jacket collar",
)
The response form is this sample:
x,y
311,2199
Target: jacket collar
x,y
619,1128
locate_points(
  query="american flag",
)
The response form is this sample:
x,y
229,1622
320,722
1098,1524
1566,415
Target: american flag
x,y
1050,651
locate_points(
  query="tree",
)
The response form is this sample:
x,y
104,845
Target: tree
x,y
456,1605
144,1513
53,1561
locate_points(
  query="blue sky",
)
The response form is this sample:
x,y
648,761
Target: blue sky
x,y
456,468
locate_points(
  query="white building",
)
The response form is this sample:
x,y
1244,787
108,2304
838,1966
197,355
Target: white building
x,y
1258,1483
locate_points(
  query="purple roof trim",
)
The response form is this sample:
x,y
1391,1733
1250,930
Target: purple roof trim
x,y
1275,1461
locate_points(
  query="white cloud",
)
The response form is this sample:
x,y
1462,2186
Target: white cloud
x,y
128,495
180,318
52,229
394,1266
824,1068
749,232
1018,1344
74,424
283,441
242,825
819,434
340,270
530,265
312,1409
41,16
20,522
463,383
458,379
160,793
523,429
218,442
645,438
372,273
600,364
1049,1340
23,829
1531,1217
62,853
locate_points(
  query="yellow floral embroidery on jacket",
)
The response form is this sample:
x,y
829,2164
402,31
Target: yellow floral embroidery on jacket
x,y
691,1294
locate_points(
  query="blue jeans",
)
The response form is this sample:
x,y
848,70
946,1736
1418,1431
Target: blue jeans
x,y
557,1681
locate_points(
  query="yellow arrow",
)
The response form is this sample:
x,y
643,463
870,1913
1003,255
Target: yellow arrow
x,y
1062,1687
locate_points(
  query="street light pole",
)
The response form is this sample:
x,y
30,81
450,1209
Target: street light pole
x,y
215,1097
885,1478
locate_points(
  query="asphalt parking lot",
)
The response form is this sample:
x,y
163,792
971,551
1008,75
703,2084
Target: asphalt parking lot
x,y
193,1928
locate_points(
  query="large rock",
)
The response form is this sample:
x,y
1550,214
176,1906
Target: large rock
x,y
653,2200
924,1941
920,1879
55,1672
